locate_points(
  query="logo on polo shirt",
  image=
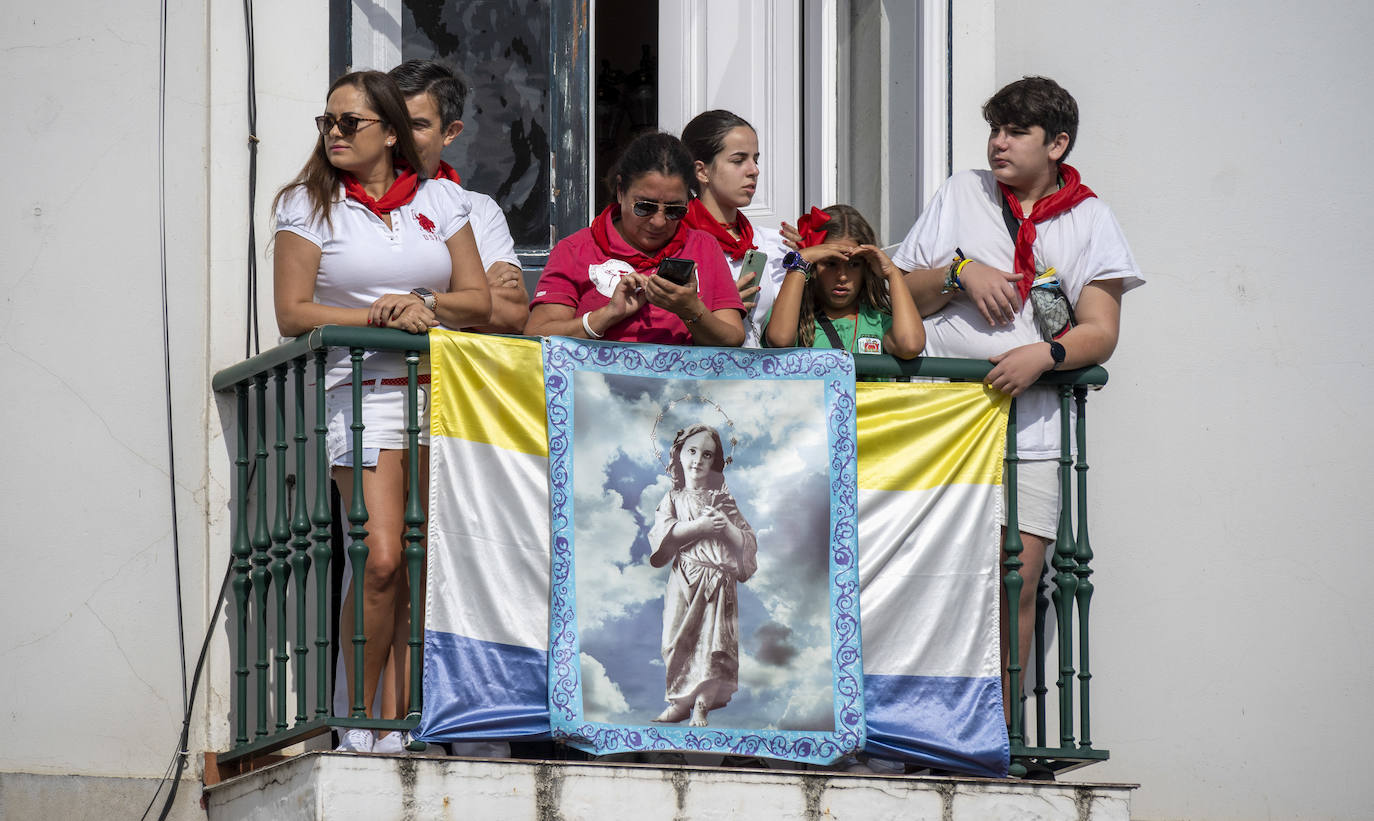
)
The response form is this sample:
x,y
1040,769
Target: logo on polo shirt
x,y
427,224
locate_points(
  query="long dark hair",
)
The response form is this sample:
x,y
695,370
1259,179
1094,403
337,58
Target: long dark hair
x,y
845,221
716,477
654,151
320,178
704,136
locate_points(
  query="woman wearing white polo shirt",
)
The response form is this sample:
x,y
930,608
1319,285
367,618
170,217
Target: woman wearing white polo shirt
x,y
362,240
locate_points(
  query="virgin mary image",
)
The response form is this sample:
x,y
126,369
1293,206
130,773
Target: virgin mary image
x,y
699,529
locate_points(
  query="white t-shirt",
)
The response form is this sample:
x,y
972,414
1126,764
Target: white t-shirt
x,y
361,259
769,242
1083,244
494,242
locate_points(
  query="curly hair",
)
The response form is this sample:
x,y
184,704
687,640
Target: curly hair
x,y
845,221
716,477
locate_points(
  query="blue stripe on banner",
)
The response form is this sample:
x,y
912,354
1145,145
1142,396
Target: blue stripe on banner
x,y
953,723
489,690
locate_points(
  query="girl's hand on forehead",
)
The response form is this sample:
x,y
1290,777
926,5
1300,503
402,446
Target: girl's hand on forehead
x,y
876,257
828,251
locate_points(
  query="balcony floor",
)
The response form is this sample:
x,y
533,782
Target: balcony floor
x,y
337,786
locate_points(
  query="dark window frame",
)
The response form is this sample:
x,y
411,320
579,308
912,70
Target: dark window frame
x,y
569,159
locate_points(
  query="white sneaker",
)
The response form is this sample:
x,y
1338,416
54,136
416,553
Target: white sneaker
x,y
357,740
392,743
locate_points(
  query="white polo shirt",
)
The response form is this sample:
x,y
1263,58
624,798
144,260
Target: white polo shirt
x,y
361,259
494,242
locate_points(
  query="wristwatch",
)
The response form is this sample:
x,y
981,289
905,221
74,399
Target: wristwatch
x,y
1057,353
426,296
793,261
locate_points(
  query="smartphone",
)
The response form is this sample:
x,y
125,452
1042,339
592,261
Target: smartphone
x,y
753,264
678,271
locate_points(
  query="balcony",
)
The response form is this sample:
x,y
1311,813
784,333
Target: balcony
x,y
287,550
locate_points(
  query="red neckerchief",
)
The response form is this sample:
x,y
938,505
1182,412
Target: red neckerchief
x,y
601,232
447,172
809,227
401,192
701,218
1057,203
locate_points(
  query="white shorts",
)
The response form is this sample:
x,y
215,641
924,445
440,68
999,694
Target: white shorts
x,y
1037,499
384,420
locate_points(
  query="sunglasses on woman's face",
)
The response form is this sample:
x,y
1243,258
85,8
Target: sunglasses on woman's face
x,y
647,208
348,124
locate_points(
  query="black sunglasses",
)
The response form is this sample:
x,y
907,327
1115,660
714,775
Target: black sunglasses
x,y
647,208
348,124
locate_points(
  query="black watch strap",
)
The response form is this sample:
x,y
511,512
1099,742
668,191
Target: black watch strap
x,y
1057,353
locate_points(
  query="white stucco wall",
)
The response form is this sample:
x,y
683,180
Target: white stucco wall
x,y
89,671
1233,646
88,664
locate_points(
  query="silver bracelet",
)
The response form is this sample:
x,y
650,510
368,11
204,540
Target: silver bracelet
x,y
587,326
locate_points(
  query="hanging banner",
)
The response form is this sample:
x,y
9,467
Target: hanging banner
x,y
641,624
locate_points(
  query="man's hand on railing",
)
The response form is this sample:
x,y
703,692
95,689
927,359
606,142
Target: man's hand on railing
x,y
1018,368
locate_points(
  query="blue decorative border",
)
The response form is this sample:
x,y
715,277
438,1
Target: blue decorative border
x,y
562,358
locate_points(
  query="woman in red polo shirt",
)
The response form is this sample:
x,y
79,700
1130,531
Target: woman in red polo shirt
x,y
600,282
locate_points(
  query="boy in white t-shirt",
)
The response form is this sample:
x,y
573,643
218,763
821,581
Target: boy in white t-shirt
x,y
435,97
970,279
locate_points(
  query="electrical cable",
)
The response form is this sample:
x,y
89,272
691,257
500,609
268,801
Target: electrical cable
x,y
252,344
177,765
178,761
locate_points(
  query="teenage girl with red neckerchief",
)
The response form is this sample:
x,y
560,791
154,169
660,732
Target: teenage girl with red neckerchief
x,y
725,153
841,291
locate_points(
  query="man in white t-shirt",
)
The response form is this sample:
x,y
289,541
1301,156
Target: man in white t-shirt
x,y
435,97
970,261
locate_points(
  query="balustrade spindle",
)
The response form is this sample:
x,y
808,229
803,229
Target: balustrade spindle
x,y
300,543
357,548
260,575
1083,558
1011,581
242,583
322,518
414,535
1041,687
280,569
1064,579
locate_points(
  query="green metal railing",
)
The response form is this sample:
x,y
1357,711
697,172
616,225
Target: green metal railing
x,y
272,565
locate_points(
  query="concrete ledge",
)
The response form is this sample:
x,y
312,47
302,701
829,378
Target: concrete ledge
x,y
348,786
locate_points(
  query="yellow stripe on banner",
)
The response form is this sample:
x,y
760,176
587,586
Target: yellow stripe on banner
x,y
919,435
488,389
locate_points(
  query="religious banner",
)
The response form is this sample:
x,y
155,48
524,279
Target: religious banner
x,y
704,554
928,507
